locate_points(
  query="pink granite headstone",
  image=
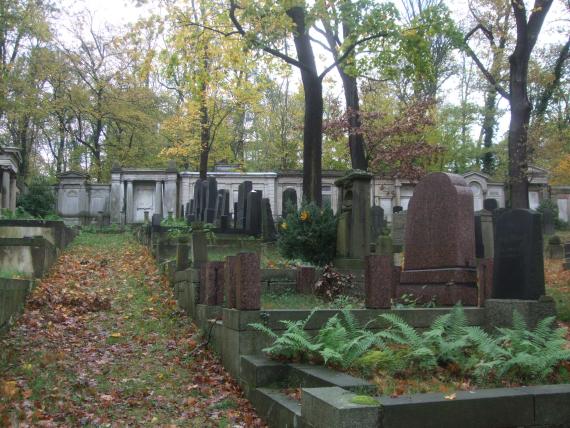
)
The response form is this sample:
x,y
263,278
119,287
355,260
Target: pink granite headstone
x,y
440,242
306,277
230,281
379,281
248,284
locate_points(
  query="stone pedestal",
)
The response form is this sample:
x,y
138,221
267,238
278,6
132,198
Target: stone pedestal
x,y
248,287
440,242
353,230
485,277
379,281
130,202
499,312
158,198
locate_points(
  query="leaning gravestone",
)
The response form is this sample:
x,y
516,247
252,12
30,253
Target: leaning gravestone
x,y
440,242
289,203
253,215
243,190
267,224
518,271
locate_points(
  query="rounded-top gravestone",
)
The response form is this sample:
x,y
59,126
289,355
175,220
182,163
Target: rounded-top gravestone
x,y
440,242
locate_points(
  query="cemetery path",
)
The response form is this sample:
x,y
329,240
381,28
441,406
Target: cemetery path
x,y
102,344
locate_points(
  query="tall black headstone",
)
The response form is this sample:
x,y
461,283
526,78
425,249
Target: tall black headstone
x,y
156,219
397,209
210,199
253,216
197,211
518,271
289,201
243,190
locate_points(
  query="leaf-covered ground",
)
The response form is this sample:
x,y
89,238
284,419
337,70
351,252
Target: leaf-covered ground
x,y
102,344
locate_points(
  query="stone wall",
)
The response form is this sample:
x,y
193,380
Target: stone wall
x,y
13,294
56,232
31,257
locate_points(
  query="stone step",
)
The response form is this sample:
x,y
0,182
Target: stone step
x,y
309,376
276,408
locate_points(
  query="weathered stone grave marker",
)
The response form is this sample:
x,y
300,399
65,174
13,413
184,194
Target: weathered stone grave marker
x,y
289,202
253,214
243,190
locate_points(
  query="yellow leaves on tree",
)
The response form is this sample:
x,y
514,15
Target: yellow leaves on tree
x,y
561,172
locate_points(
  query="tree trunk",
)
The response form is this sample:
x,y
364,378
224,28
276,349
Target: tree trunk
x,y
355,139
313,123
527,34
204,139
518,132
488,130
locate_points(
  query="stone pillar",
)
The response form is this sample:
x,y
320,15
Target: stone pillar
x,y
5,188
305,279
130,203
353,229
116,202
379,281
158,198
248,287
485,277
13,192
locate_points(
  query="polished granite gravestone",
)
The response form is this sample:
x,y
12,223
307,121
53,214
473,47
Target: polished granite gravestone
x,y
440,242
253,216
518,271
243,190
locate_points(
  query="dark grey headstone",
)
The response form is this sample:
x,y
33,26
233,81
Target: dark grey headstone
x,y
289,201
547,222
397,209
518,265
490,204
253,219
182,211
377,222
267,224
243,190
235,221
211,197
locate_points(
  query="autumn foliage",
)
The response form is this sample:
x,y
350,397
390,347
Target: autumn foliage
x,y
397,145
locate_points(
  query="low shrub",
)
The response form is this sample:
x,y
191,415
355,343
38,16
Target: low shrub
x,y
39,200
333,284
308,234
